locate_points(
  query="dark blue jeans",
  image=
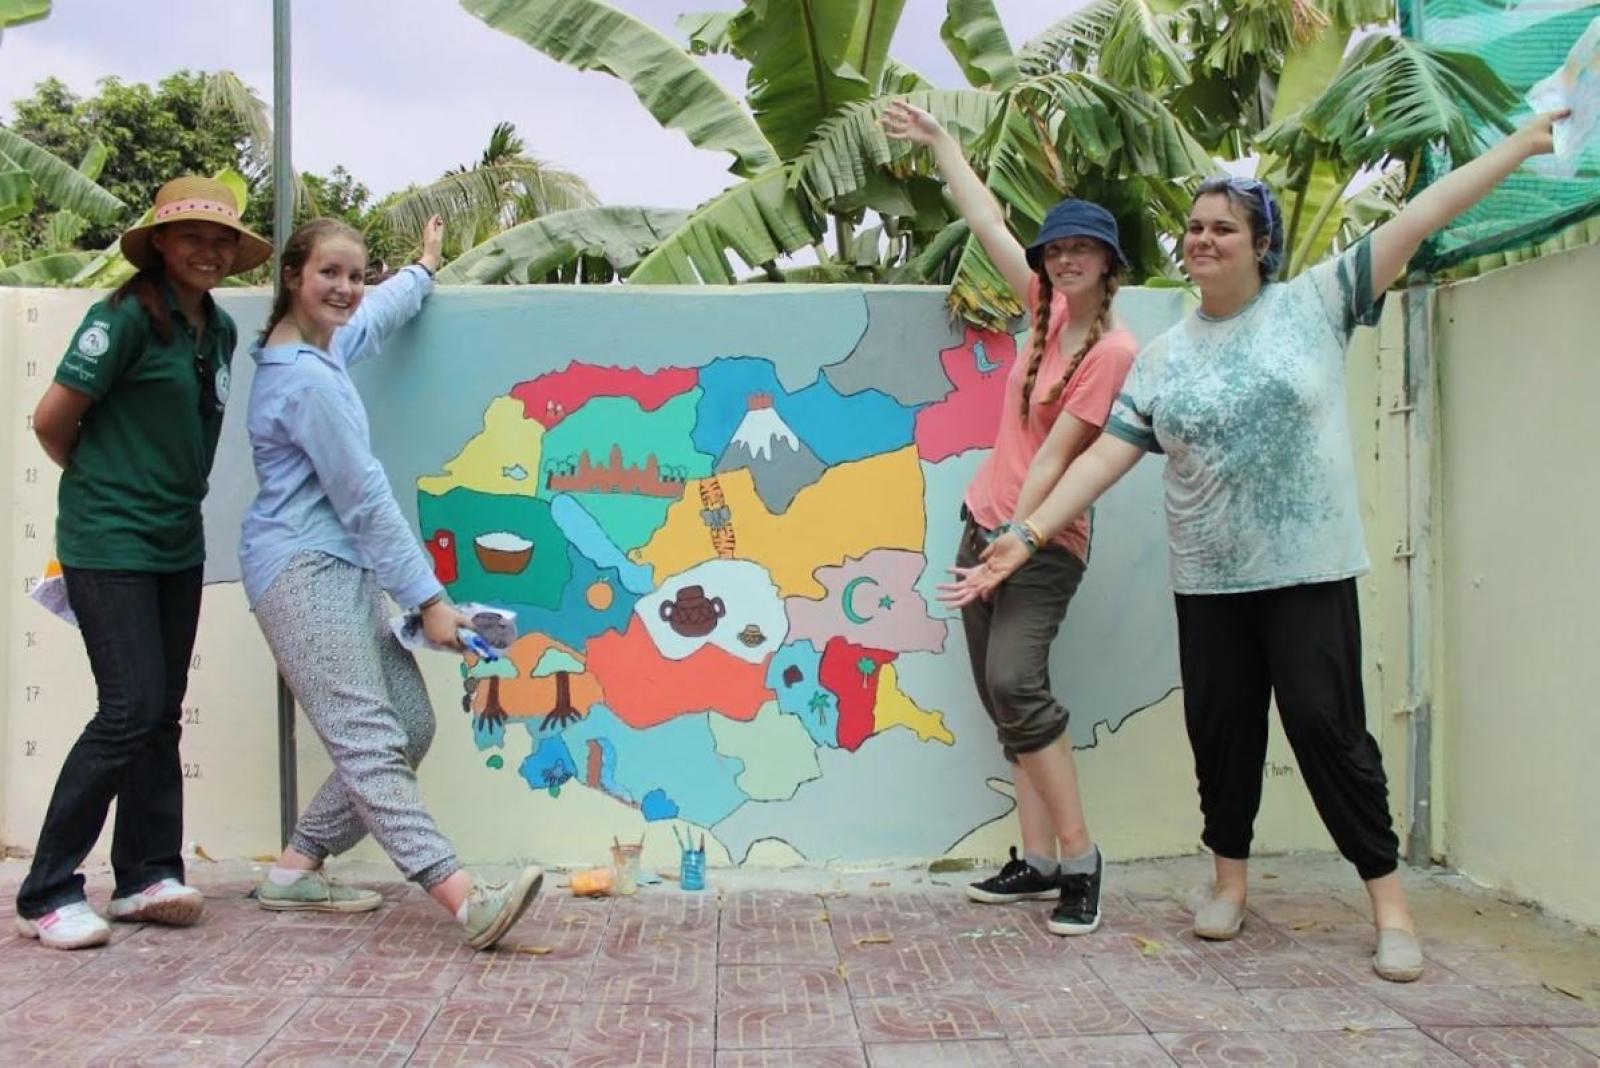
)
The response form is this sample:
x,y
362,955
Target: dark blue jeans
x,y
139,629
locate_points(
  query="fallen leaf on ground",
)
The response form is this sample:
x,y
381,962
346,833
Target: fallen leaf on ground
x,y
1148,946
874,940
1268,875
1357,1029
1301,925
879,882
536,951
200,851
265,858
1557,988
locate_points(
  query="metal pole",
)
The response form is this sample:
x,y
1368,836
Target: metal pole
x,y
282,224
1422,400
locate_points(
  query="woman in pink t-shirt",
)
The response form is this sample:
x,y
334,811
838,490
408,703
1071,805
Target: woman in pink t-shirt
x,y
1058,396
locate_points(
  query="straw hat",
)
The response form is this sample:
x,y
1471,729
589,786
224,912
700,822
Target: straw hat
x,y
205,199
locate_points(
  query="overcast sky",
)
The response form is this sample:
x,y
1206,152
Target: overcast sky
x,y
399,90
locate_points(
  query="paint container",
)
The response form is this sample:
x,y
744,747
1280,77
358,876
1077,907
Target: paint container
x,y
692,875
625,863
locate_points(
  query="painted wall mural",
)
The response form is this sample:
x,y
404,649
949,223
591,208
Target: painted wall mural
x,y
720,518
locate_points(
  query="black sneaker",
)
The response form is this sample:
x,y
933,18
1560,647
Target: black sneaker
x,y
1078,911
1017,881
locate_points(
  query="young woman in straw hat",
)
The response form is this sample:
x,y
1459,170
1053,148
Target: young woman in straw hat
x,y
1057,397
132,418
322,543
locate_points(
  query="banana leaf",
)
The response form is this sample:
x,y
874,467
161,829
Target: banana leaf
x,y
58,182
975,37
759,220
529,252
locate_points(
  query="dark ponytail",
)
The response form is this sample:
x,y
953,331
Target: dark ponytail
x,y
296,251
145,287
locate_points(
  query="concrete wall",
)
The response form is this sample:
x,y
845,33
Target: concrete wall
x,y
1519,376
483,413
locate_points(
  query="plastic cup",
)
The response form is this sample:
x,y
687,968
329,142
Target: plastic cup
x,y
625,862
692,873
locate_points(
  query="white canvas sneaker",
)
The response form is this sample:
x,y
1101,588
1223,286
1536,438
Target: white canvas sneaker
x,y
74,926
168,902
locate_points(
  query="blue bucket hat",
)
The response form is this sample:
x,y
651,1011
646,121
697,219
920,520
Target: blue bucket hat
x,y
1076,218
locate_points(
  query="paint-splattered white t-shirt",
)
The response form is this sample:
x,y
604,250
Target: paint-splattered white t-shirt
x,y
1250,411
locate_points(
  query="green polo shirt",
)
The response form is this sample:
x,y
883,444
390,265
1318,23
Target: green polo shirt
x,y
130,495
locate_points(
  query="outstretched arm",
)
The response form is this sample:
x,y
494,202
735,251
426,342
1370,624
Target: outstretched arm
x,y
1396,241
1096,470
389,306
905,122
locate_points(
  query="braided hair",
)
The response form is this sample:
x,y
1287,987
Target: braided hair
x,y
1041,332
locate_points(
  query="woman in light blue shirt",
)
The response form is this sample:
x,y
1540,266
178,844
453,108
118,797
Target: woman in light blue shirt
x,y
322,543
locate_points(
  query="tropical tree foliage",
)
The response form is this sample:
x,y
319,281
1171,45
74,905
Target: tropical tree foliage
x,y
1128,102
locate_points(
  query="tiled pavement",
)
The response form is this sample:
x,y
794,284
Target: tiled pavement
x,y
891,970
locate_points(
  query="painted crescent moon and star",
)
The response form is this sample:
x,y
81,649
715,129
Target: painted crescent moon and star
x,y
847,599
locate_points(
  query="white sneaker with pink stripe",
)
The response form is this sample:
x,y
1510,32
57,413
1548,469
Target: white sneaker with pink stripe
x,y
74,926
168,901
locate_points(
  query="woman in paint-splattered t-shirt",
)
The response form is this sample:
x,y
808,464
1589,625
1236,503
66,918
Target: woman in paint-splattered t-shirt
x,y
1246,399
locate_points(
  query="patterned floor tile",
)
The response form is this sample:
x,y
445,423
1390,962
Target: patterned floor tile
x,y
793,1021
640,936
310,939
765,984
1092,1051
523,977
138,967
905,965
167,1051
206,939
984,1054
761,910
286,974
1526,1047
1001,964
789,942
1017,924
435,1055
288,1052
660,980
1583,1037
1084,1009
1195,1010
530,1024
221,1016
1368,1049
1287,909
826,1057
1162,968
1466,1006
27,962
393,1020
927,1018
58,1049
855,922
1285,970
368,975
1220,1049
1548,1008
665,1035
113,1012
675,907
565,936
1324,1009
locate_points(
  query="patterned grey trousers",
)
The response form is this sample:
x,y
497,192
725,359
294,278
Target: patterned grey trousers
x,y
325,622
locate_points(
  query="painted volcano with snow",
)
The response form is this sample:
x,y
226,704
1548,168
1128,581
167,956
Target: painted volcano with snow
x,y
780,464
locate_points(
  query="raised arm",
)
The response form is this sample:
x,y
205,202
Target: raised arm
x,y
390,306
905,122
1396,241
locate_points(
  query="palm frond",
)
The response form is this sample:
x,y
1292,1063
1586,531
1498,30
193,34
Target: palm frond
x,y
850,148
677,91
758,220
16,191
975,37
59,182
504,192
55,269
1391,98
1072,41
529,252
899,79
810,57
1141,48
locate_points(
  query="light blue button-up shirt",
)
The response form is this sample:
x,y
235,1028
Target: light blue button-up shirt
x,y
322,490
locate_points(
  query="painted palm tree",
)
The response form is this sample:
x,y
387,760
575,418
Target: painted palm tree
x,y
504,188
1128,102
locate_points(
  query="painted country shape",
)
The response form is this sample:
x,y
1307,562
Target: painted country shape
x,y
793,676
732,604
500,459
590,538
853,509
644,688
872,601
508,550
850,673
552,397
834,427
593,602
677,757
777,752
538,680
894,708
549,766
970,416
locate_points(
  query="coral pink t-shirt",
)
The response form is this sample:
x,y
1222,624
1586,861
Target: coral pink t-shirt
x,y
992,496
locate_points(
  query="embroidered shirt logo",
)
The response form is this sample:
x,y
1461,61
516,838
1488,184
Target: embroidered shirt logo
x,y
224,381
94,342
